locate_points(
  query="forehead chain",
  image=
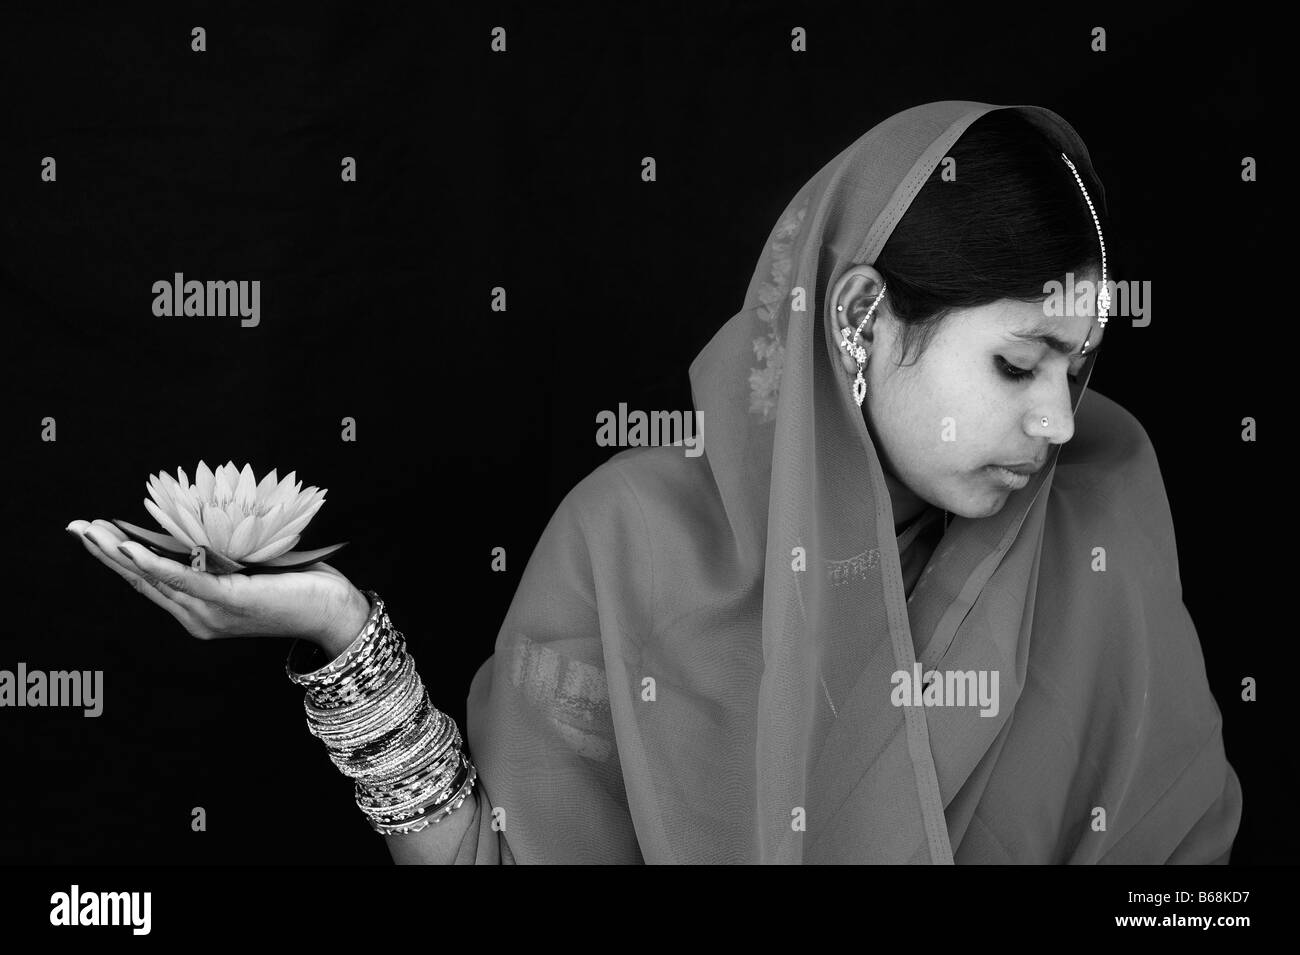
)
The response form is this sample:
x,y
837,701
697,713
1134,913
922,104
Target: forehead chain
x,y
1103,293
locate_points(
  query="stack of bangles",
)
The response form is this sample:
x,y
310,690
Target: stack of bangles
x,y
372,712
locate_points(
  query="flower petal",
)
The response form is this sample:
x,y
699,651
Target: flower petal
x,y
267,487
184,481
246,534
298,523
274,549
284,490
165,541
297,557
173,495
168,524
272,521
218,562
187,497
159,495
186,501
204,481
300,503
226,482
189,519
169,484
218,525
246,489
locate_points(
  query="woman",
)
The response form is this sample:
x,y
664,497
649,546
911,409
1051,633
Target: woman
x,y
847,633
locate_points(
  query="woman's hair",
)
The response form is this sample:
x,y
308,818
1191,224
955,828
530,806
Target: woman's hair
x,y
1012,220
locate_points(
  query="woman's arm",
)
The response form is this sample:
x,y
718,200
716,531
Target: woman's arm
x,y
436,844
433,845
318,605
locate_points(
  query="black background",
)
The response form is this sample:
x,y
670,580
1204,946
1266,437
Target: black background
x,y
520,170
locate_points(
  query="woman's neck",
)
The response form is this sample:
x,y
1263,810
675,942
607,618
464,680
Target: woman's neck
x,y
907,507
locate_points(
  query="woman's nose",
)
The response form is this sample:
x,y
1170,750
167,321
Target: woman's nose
x,y
1053,418
1060,427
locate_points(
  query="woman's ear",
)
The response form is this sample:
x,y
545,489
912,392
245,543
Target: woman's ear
x,y
851,298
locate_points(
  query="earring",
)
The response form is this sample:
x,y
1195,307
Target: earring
x,y
1044,421
848,343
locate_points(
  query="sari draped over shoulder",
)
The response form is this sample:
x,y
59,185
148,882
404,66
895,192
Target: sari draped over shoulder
x,y
701,663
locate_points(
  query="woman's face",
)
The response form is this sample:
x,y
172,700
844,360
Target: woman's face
x,y
964,406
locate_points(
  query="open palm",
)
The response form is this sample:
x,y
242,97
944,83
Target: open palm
x,y
300,604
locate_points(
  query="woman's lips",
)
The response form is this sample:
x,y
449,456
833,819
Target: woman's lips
x,y
1007,478
1029,469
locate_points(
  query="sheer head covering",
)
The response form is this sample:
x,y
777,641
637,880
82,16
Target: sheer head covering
x,y
697,665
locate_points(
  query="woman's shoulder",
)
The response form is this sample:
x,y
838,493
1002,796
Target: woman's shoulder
x,y
640,520
656,484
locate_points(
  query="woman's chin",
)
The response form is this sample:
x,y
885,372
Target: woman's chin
x,y
985,506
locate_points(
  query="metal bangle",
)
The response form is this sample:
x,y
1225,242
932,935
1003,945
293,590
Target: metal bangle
x,y
315,677
372,711
423,821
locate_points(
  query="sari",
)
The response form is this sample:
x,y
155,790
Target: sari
x,y
699,663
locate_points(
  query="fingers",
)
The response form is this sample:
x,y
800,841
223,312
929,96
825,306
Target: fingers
x,y
105,551
92,538
324,568
103,547
118,535
173,579
190,587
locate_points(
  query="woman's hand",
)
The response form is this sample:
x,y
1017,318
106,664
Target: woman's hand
x,y
317,604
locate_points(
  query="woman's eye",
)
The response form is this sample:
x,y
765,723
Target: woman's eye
x,y
1014,372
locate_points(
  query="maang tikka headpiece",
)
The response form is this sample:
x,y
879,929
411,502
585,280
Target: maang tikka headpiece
x,y
1103,293
848,337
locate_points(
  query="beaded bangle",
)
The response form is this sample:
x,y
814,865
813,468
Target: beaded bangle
x,y
388,710
423,822
329,715
392,786
394,753
386,796
394,807
412,751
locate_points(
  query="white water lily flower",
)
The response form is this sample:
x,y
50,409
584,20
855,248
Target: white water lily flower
x,y
237,520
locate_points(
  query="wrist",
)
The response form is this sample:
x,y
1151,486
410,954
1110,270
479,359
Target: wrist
x,y
343,626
